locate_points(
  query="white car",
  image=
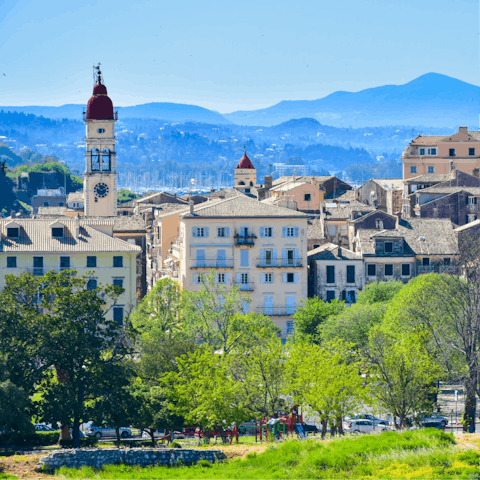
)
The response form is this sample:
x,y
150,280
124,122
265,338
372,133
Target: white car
x,y
368,416
362,426
435,418
99,432
161,433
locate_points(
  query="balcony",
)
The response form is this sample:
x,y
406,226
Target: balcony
x,y
277,311
248,240
279,262
437,268
246,287
216,263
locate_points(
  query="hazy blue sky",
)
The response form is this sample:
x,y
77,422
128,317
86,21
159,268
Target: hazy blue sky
x,y
228,55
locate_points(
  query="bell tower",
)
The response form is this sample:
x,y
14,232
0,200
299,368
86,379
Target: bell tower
x,y
245,176
100,178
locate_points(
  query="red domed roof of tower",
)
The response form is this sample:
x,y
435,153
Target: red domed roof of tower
x,y
100,107
245,162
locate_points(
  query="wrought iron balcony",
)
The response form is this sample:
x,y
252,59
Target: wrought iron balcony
x,y
277,311
244,239
215,263
279,262
246,287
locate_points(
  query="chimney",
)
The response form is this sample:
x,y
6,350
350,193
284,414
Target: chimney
x,y
12,213
463,130
191,206
212,190
399,217
77,226
268,182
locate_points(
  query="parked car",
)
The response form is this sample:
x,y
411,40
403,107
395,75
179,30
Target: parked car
x,y
363,426
162,433
435,418
434,424
42,427
310,428
99,432
368,416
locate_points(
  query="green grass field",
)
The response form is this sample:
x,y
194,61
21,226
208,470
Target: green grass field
x,y
421,454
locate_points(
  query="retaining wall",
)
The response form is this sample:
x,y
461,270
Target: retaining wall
x,y
97,457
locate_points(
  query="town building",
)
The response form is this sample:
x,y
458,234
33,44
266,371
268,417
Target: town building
x,y
87,246
382,193
335,273
258,247
48,198
441,154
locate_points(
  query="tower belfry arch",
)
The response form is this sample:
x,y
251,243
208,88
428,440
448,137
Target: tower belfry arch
x,y
100,177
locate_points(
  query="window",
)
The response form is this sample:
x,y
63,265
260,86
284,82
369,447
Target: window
x,y
371,270
330,274
61,204
38,265
290,278
247,190
100,130
308,197
351,296
405,269
118,282
200,231
413,169
221,278
64,262
379,224
106,160
46,204
389,269
290,327
330,295
118,314
290,304
431,169
244,231
91,284
268,278
422,151
388,247
13,232
471,218
350,273
118,261
446,261
451,152
472,200
426,262
290,256
244,258
11,262
432,151
290,231
244,278
57,232
221,233
95,159
471,152
92,262
315,245
266,232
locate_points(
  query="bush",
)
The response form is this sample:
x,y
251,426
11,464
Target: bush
x,y
37,439
204,464
84,442
175,445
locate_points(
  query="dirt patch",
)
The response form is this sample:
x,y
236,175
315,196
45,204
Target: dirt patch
x,y
239,451
23,466
468,441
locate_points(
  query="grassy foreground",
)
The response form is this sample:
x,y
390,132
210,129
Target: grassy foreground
x,y
421,454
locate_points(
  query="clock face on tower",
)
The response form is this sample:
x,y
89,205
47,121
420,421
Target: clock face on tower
x,y
100,190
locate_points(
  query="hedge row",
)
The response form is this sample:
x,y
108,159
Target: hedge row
x,y
37,439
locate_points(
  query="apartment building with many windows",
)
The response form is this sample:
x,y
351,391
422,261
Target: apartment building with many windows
x,y
87,246
441,154
260,248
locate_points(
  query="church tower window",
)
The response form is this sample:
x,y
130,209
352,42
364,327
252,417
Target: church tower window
x,y
95,160
106,160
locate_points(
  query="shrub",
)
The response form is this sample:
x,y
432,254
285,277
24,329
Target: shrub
x,y
175,444
204,464
84,442
37,439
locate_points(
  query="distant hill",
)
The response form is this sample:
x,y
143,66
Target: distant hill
x,y
171,112
432,100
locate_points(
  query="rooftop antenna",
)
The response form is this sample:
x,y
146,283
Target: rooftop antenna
x,y
97,74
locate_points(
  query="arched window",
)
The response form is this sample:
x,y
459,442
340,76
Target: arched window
x,y
241,183
95,160
106,160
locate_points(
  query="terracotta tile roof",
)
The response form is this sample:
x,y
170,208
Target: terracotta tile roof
x,y
287,186
52,210
315,229
431,178
330,251
242,207
35,236
75,197
393,183
428,139
343,211
245,162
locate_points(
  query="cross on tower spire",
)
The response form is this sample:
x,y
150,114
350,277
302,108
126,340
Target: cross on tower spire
x,y
97,74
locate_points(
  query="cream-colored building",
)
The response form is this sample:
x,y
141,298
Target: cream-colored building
x,y
87,246
441,154
258,247
307,196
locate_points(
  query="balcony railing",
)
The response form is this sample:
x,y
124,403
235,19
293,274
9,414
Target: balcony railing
x,y
216,263
246,287
279,262
437,268
245,239
277,311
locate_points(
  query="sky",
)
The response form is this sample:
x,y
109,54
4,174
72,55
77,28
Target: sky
x,y
226,55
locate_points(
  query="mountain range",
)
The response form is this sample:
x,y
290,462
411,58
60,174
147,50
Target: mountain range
x,y
431,100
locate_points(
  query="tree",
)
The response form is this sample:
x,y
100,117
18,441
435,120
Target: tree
x,y
326,380
203,392
402,374
379,292
14,409
312,313
81,344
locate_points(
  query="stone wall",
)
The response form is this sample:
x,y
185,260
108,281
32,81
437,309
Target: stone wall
x,y
97,457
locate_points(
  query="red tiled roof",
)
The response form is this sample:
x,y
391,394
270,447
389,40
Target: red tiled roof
x,y
99,107
245,162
